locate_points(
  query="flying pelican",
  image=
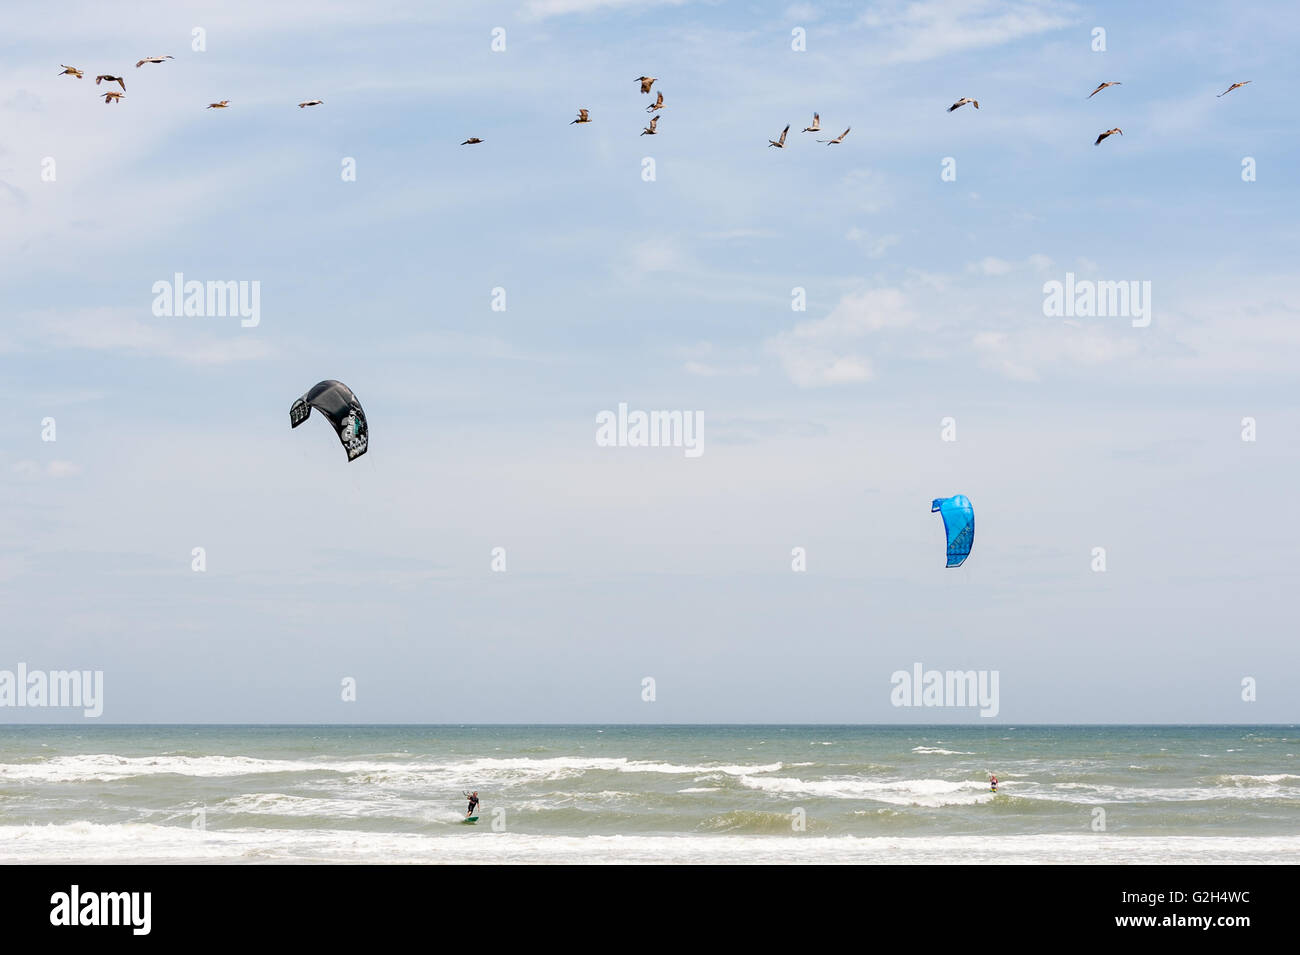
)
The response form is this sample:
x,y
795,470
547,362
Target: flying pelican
x,y
310,102
1233,87
1109,132
646,82
111,79
582,117
657,104
837,139
1102,87
473,141
71,71
650,130
780,143
153,59
962,102
816,126
112,97
222,105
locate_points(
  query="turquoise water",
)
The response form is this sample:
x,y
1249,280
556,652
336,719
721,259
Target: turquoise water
x,y
650,793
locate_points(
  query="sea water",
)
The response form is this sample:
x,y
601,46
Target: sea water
x,y
650,794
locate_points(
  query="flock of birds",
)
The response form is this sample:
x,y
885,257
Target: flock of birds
x,y
113,96
584,115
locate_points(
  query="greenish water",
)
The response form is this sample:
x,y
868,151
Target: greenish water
x,y
650,793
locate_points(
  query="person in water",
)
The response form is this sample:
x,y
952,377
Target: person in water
x,y
473,803
993,783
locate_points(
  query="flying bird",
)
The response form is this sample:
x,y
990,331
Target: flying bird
x,y
582,117
646,82
837,139
222,105
473,141
962,102
310,102
651,130
73,71
816,126
112,97
1109,132
153,59
111,79
1233,87
1102,87
780,143
657,104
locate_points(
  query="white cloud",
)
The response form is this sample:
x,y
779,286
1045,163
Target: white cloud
x,y
195,341
1025,355
741,234
804,12
910,32
54,469
864,189
705,370
991,265
1239,334
552,8
874,246
655,255
825,351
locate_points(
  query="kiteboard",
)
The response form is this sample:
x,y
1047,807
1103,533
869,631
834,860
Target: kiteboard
x,y
470,819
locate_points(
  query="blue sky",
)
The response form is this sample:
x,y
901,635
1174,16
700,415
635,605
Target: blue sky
x,y
822,427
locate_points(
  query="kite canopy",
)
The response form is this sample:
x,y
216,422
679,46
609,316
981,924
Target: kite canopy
x,y
335,401
959,522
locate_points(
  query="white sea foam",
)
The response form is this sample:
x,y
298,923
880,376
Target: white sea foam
x,y
1101,793
283,804
900,792
101,767
940,752
132,842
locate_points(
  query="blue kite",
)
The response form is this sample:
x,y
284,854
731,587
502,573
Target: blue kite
x,y
959,523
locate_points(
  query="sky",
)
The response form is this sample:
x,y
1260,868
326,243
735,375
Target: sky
x,y
823,308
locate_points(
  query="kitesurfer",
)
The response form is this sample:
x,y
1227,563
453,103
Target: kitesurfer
x,y
993,783
473,803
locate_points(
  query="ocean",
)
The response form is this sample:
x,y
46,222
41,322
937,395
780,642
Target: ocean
x,y
650,794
